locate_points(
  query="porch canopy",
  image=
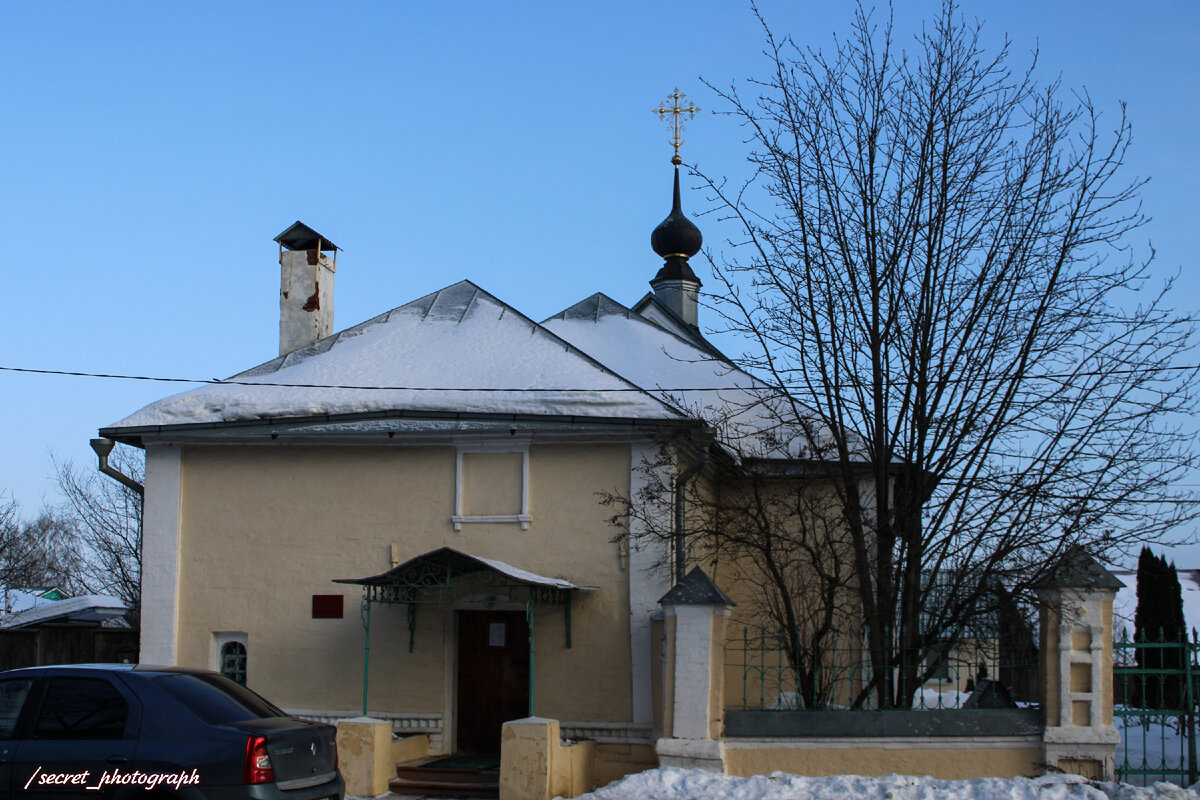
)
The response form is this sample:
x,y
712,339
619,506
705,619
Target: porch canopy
x,y
440,576
446,575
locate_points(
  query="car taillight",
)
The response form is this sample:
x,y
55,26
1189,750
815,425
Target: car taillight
x,y
258,762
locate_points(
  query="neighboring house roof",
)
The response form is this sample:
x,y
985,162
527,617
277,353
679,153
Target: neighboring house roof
x,y
30,596
456,350
85,609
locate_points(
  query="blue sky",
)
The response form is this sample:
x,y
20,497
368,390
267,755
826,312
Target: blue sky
x,y
153,150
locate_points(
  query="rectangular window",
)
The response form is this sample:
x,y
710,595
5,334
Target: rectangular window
x,y
492,485
327,606
938,666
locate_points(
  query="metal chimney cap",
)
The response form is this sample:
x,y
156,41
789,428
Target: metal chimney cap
x,y
299,236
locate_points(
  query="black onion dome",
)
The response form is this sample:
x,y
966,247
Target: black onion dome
x,y
676,235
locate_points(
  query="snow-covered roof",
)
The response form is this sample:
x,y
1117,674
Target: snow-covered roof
x,y
525,576
461,351
21,599
448,563
743,410
87,608
456,350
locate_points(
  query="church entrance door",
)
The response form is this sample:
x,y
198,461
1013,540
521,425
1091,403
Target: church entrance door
x,y
493,677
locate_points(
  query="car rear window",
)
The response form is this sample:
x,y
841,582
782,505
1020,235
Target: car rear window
x,y
216,699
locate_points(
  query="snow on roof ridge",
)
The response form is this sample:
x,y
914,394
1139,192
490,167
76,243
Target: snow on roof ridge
x,y
455,304
538,327
712,353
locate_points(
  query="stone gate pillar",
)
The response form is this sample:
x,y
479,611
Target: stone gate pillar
x,y
1075,670
695,612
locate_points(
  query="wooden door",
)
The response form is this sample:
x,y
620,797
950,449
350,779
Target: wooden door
x,y
493,677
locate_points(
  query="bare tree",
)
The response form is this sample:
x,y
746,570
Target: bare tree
x,y
38,552
774,539
107,517
935,276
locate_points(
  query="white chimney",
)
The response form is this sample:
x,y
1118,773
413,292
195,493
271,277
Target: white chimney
x,y
305,287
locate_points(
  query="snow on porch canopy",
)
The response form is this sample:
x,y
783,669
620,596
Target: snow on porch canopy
x,y
446,575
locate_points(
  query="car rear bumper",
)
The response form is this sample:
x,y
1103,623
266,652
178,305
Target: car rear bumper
x,y
332,790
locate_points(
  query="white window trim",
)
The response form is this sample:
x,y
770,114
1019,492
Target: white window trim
x,y
222,638
524,518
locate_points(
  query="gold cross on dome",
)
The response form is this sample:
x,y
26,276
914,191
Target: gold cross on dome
x,y
676,111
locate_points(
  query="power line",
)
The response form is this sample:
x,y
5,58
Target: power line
x,y
528,389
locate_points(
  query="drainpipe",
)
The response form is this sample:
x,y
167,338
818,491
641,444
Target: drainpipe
x,y
680,503
105,446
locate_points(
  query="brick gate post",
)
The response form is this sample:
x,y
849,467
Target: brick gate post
x,y
1075,673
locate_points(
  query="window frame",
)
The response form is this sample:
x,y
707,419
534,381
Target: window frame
x,y
524,518
219,640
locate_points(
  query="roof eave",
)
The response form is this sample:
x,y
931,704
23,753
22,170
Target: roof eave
x,y
135,434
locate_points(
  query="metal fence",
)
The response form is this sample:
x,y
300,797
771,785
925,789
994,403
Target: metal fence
x,y
1156,685
799,670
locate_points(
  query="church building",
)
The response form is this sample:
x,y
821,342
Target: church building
x,y
404,519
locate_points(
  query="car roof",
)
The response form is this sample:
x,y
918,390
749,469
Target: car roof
x,y
124,668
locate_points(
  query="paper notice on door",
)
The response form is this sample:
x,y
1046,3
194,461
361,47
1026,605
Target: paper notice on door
x,y
496,634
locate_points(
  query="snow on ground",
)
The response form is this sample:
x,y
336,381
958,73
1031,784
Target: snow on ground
x,y
1152,742
683,784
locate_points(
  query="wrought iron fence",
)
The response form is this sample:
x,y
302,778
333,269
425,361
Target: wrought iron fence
x,y
800,670
1156,687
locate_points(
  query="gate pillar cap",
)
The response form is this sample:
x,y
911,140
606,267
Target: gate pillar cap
x,y
1077,570
696,589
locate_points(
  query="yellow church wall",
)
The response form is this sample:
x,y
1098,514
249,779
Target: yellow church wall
x,y
1048,661
590,681
755,675
266,527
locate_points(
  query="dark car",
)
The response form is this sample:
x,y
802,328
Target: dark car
x,y
121,731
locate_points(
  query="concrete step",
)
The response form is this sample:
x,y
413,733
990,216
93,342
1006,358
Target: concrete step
x,y
423,778
454,788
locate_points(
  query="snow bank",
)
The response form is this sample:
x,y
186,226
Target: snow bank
x,y
681,784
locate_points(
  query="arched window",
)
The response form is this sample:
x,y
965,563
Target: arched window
x,y
233,661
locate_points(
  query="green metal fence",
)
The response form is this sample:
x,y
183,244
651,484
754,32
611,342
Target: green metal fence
x,y
1155,691
804,670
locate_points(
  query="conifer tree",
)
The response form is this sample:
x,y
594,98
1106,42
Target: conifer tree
x,y
1158,623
